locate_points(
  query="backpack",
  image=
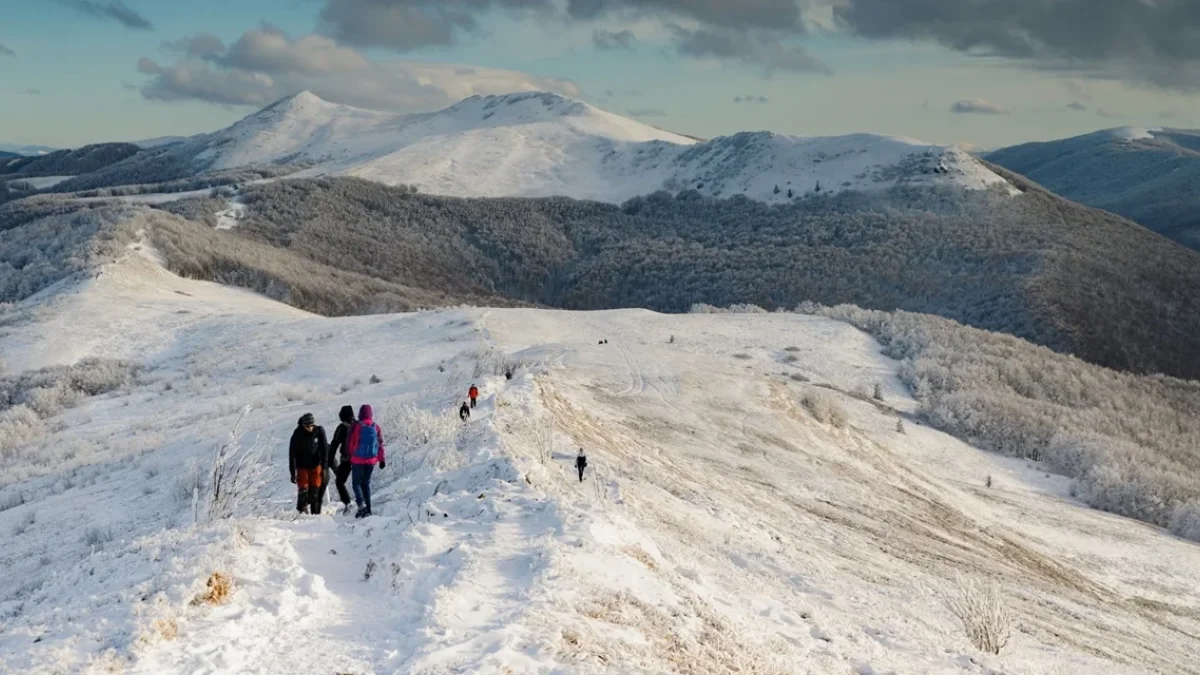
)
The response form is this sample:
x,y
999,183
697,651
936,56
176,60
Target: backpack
x,y
368,441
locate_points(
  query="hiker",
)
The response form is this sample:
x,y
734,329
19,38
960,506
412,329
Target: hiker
x,y
464,412
366,450
473,393
508,374
339,455
581,464
307,455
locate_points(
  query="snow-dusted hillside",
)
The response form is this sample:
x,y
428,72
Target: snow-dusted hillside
x,y
1147,175
723,527
541,144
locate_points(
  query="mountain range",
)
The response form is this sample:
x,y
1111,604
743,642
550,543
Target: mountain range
x,y
541,199
1151,176
541,144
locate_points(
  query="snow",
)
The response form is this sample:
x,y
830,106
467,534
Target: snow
x,y
541,144
43,182
228,218
1133,133
720,528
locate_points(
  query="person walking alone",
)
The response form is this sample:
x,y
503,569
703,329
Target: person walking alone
x,y
339,455
464,413
581,464
473,394
307,455
366,450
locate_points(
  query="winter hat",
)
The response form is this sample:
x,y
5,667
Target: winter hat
x,y
346,414
306,419
366,414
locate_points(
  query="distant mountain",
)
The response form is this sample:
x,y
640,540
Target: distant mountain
x,y
1151,176
160,141
540,144
26,149
83,160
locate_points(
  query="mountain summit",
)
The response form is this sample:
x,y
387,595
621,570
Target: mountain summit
x,y
537,144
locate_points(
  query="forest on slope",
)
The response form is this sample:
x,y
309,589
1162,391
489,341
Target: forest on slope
x,y
1037,266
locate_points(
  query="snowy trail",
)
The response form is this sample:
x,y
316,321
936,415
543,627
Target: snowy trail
x,y
721,527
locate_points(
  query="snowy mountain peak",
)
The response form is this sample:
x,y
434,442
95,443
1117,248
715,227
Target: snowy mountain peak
x,y
538,144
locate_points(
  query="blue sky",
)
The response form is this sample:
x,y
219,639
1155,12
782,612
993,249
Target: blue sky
x,y
79,71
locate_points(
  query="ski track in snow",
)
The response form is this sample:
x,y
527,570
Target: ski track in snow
x,y
720,528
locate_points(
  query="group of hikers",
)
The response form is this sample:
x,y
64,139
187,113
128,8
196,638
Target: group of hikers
x,y
357,448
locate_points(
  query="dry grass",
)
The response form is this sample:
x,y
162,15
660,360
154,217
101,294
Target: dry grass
x,y
640,555
217,591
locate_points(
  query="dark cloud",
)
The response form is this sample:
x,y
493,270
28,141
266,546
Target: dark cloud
x,y
737,14
404,25
647,112
750,32
608,41
1156,41
112,10
977,106
1076,105
750,99
198,46
265,65
753,49
5,51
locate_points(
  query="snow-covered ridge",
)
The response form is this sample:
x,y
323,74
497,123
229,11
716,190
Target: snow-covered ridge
x,y
544,144
722,525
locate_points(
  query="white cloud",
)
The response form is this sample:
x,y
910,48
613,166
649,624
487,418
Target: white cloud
x,y
265,65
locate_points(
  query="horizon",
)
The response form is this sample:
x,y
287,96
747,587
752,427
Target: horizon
x,y
693,67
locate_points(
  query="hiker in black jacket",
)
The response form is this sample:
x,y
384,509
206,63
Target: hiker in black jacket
x,y
339,454
464,413
307,456
581,464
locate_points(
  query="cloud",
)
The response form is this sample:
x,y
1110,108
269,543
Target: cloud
x,y
270,50
113,10
33,92
740,14
750,99
1106,114
977,106
647,112
763,50
1147,41
608,41
756,33
404,25
5,51
1076,105
265,65
198,46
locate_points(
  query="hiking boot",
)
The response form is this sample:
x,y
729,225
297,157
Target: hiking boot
x,y
367,512
346,510
360,512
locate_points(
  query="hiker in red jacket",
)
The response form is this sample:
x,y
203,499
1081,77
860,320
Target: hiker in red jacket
x,y
366,450
473,394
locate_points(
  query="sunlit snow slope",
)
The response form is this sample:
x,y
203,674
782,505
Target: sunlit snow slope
x,y
543,144
721,527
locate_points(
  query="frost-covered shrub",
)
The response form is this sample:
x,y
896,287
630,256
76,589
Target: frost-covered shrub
x,y
51,390
1185,521
1130,442
420,438
984,618
824,409
20,427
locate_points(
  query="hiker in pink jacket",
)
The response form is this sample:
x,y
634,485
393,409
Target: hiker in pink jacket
x,y
366,450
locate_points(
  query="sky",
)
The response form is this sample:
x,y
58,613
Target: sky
x,y
981,74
